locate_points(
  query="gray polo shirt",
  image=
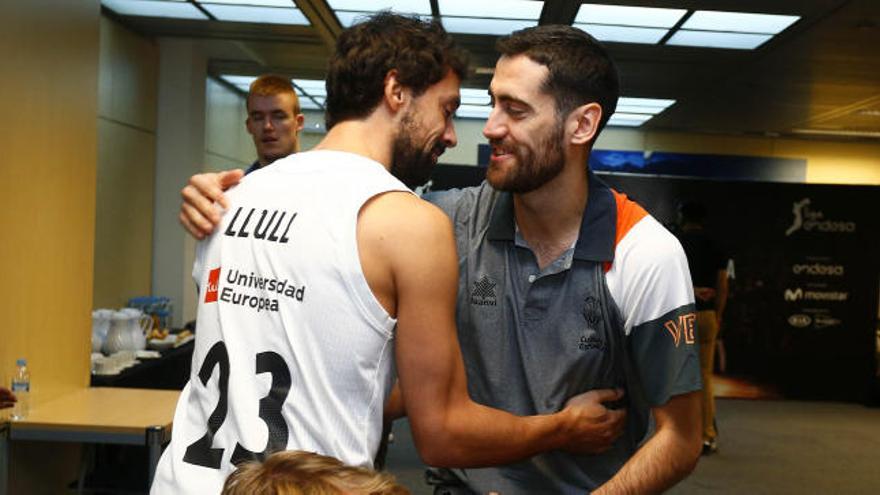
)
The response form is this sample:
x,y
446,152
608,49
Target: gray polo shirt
x,y
532,338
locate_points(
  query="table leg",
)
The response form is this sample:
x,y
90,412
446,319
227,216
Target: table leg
x,y
155,438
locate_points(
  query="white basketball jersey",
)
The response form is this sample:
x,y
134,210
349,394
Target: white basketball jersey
x,y
292,350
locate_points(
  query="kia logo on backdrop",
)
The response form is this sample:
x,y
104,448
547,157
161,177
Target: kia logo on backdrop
x,y
810,220
800,320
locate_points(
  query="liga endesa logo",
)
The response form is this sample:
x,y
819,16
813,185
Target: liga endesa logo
x,y
213,285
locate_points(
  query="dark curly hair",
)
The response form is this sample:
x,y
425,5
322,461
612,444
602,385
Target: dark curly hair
x,y
422,52
581,71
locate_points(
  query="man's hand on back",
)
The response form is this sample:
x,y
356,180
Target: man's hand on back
x,y
199,213
598,426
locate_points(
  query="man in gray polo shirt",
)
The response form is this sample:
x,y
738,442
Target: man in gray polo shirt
x,y
566,285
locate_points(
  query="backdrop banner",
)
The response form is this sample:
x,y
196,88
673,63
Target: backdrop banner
x,y
803,306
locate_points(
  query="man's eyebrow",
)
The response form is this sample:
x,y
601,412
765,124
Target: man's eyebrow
x,y
508,99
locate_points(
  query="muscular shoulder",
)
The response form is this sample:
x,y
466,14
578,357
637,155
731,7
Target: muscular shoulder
x,y
401,216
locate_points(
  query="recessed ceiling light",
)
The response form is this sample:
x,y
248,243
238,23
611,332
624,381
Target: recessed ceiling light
x,y
739,22
618,15
624,34
656,103
470,25
266,15
422,7
621,119
709,39
176,9
497,9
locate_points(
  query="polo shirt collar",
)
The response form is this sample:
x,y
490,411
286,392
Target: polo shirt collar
x,y
598,225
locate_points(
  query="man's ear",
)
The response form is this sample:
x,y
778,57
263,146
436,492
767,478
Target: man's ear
x,y
300,122
247,125
395,94
584,120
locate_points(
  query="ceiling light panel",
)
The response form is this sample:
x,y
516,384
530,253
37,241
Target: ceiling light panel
x,y
420,7
351,11
739,22
240,81
259,3
314,87
264,15
710,39
622,119
497,9
467,25
176,9
651,103
617,15
624,34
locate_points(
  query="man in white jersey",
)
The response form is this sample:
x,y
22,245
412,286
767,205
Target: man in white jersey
x,y
326,270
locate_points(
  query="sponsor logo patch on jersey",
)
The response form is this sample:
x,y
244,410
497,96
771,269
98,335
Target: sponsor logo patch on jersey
x,y
213,285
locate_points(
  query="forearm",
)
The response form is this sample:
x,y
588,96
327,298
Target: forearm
x,y
666,458
473,435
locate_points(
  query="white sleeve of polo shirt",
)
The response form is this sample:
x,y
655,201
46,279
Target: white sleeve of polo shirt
x,y
651,284
649,276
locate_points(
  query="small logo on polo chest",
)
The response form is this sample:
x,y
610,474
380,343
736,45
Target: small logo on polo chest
x,y
484,292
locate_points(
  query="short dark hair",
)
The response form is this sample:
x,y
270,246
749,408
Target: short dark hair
x,y
581,71
422,52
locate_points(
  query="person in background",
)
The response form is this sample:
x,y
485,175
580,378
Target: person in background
x,y
7,398
708,267
274,121
328,273
294,472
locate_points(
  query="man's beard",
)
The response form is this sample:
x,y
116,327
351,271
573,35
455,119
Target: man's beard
x,y
410,163
534,168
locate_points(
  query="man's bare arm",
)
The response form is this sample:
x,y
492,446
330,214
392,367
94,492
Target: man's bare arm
x,y
408,255
199,214
668,456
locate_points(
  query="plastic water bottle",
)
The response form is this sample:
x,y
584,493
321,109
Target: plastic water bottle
x,y
21,387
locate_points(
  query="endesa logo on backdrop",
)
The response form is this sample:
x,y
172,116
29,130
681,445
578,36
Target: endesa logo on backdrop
x,y
809,219
213,285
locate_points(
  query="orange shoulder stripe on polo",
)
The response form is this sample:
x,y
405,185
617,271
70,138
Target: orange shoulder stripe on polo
x,y
629,213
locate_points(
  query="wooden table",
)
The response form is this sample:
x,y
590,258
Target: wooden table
x,y
122,416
